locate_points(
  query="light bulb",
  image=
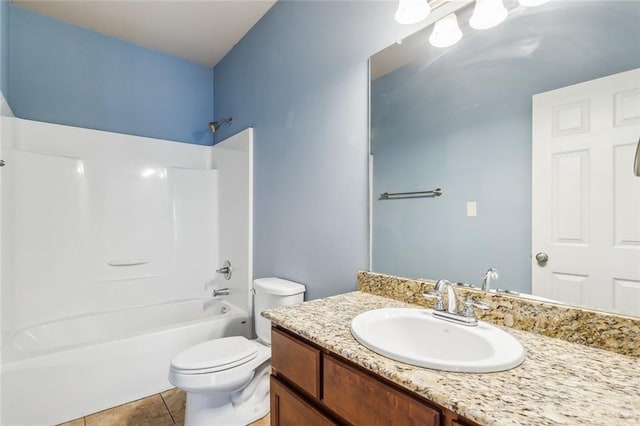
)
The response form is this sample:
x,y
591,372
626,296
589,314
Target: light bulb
x,y
487,14
446,32
412,11
532,3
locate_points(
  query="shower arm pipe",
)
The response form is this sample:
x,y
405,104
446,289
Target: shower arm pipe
x,y
215,125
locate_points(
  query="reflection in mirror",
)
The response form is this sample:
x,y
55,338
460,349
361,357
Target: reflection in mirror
x,y
561,81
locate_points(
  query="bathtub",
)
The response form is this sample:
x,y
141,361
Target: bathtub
x,y
65,369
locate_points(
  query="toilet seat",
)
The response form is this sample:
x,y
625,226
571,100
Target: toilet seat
x,y
215,355
228,378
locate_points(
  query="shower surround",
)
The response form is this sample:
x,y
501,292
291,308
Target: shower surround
x,y
110,244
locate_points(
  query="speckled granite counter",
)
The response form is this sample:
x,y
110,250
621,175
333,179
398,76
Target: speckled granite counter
x,y
613,332
559,383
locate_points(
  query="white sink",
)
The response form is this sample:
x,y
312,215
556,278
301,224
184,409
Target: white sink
x,y
415,337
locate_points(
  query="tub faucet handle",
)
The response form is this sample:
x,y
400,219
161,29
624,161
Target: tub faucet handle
x,y
226,270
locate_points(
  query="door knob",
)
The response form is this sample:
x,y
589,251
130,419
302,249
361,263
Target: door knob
x,y
542,258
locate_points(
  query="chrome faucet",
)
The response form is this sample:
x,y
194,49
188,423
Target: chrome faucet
x,y
491,274
220,292
452,296
466,317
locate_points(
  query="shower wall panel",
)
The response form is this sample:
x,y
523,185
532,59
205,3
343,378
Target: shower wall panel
x,y
104,221
233,157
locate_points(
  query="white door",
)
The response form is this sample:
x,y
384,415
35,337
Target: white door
x,y
586,199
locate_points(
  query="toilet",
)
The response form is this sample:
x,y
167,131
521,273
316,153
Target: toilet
x,y
227,379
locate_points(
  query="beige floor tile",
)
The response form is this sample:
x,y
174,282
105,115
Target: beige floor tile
x,y
149,411
175,400
76,422
265,421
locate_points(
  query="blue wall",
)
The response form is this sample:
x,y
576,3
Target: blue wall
x,y
300,78
61,73
4,47
460,119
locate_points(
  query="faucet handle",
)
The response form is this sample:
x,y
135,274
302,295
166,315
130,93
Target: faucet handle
x,y
439,306
226,270
470,303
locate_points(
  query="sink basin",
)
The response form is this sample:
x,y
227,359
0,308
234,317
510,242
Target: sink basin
x,y
415,337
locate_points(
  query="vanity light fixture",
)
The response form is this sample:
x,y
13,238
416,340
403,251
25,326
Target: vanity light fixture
x,y
412,11
532,3
446,32
487,14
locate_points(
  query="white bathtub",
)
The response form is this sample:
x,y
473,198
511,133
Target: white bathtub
x,y
66,369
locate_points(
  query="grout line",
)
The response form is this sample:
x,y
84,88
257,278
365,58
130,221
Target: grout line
x,y
167,407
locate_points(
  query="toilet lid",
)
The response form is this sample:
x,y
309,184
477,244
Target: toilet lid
x,y
215,355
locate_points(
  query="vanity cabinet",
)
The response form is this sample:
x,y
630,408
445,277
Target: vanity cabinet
x,y
289,408
310,386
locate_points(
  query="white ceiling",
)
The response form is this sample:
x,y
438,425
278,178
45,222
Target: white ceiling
x,y
202,31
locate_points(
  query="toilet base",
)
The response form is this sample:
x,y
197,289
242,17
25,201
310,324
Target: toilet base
x,y
238,409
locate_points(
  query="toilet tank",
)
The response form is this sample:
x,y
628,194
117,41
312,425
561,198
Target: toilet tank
x,y
271,293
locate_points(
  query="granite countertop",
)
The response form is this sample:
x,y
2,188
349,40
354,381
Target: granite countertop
x,y
559,383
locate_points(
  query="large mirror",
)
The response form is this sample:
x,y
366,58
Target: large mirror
x,y
530,130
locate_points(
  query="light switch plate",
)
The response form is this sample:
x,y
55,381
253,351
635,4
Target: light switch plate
x,y
472,209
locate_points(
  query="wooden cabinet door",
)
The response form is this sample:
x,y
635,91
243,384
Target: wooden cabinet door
x,y
289,409
363,400
297,361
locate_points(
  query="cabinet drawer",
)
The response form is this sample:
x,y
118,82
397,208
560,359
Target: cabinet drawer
x,y
297,361
289,409
363,400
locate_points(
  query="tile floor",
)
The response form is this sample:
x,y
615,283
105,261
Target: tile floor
x,y
163,409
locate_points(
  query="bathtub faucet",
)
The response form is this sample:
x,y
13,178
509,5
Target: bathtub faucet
x,y
220,292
